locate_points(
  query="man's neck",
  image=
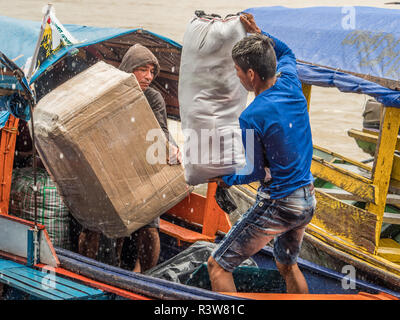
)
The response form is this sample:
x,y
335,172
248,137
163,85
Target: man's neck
x,y
262,86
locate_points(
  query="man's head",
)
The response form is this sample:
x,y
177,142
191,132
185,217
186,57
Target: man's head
x,y
142,63
255,60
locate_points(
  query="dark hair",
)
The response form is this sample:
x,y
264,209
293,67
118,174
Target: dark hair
x,y
256,52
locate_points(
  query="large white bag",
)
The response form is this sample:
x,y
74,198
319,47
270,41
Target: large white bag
x,y
211,98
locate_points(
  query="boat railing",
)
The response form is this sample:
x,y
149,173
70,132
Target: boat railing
x,y
342,224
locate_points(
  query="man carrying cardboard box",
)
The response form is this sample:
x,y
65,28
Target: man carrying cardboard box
x,y
144,65
141,62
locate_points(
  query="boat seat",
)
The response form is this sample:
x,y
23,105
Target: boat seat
x,y
45,285
182,234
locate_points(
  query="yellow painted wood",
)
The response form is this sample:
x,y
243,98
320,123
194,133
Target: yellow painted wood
x,y
368,136
373,138
383,163
330,243
344,179
389,249
350,225
307,94
396,168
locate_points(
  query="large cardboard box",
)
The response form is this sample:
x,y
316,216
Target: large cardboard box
x,y
91,135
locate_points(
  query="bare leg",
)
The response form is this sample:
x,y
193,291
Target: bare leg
x,y
295,281
137,266
89,243
148,246
221,280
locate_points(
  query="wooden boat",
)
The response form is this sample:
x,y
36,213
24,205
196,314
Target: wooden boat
x,y
357,217
30,267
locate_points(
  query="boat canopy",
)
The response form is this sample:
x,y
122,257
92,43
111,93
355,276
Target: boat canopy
x,y
355,49
18,40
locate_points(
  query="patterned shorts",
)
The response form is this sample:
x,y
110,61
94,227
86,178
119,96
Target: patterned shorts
x,y
281,219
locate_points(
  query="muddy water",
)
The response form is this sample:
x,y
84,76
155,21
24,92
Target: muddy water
x,y
332,113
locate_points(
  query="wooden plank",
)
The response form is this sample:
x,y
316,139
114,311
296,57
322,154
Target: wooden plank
x,y
368,136
213,216
353,226
313,296
330,156
74,289
373,138
183,234
389,249
349,181
29,289
7,147
34,285
5,264
307,93
384,162
392,218
44,284
396,168
344,195
43,281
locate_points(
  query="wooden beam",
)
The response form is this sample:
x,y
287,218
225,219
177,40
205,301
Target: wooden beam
x,y
352,226
307,93
392,218
384,162
344,195
390,250
344,179
369,136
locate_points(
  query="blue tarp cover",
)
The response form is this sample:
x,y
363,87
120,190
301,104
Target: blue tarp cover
x,y
362,40
335,40
18,41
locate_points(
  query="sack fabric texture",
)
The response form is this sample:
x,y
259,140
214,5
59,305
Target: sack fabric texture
x,y
211,99
52,212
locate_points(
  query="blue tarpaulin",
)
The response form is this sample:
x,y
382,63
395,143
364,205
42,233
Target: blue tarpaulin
x,y
338,41
18,40
332,44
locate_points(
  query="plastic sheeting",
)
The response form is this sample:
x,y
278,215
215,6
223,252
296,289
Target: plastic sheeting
x,y
211,99
18,41
179,268
18,38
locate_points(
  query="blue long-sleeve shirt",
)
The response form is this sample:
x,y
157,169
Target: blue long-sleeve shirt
x,y
279,121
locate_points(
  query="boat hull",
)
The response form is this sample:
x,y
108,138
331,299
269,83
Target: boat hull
x,y
320,248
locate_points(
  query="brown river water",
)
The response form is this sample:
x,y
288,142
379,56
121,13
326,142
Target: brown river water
x,y
332,113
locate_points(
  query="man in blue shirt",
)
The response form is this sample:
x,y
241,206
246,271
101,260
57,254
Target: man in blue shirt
x,y
279,156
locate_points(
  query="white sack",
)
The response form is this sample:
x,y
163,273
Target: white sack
x,y
211,99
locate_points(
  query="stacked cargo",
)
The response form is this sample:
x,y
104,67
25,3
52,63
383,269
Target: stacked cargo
x,y
95,136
